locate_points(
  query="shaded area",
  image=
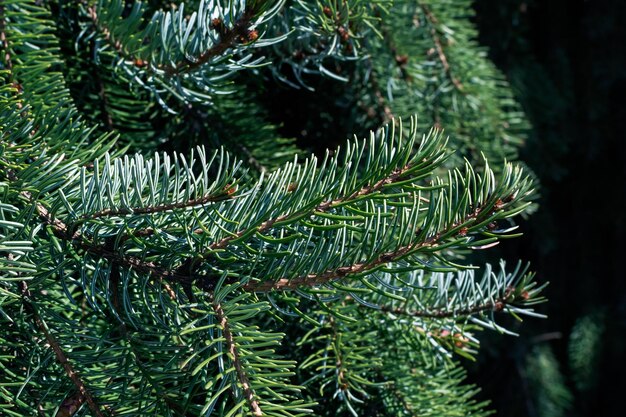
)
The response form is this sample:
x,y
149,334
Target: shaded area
x,y
566,61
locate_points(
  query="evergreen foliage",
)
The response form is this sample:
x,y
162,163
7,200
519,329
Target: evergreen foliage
x,y
584,349
552,397
165,251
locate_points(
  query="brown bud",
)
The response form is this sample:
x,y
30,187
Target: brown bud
x,y
216,23
510,197
525,295
343,33
498,204
498,306
327,11
463,231
460,340
508,293
402,59
230,189
140,63
253,35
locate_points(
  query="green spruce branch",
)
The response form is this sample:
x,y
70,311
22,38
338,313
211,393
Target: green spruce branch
x,y
155,285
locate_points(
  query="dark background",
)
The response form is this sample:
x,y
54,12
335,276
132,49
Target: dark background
x,y
567,63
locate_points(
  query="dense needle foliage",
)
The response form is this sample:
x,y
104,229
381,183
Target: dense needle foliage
x,y
168,248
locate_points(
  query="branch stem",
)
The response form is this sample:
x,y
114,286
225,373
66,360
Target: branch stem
x,y
499,304
396,175
59,353
234,353
359,268
439,46
210,198
4,43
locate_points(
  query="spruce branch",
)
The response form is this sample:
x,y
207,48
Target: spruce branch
x,y
92,12
339,363
151,209
395,176
181,58
498,305
433,22
144,277
62,231
115,278
404,170
400,397
8,64
341,357
240,32
50,124
104,99
248,393
478,216
380,99
58,352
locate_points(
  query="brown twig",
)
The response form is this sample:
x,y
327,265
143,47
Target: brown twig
x,y
286,284
230,36
439,47
58,352
339,363
104,100
234,353
61,230
210,198
8,63
396,175
497,305
136,264
3,39
401,398
208,282
240,32
70,405
380,99
116,44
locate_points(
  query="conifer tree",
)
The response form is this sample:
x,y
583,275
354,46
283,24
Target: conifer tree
x,y
168,247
